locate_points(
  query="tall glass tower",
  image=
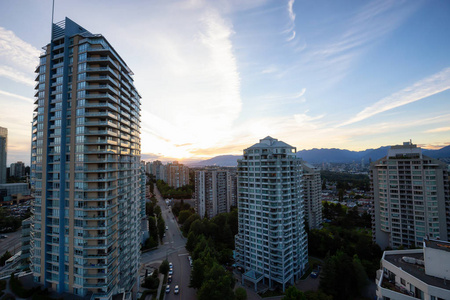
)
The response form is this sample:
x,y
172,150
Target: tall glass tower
x,y
271,244
85,167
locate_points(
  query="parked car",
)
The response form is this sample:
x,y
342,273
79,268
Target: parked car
x,y
169,279
3,236
170,272
314,275
176,290
167,288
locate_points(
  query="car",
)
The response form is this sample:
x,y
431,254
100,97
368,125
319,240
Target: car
x,y
169,279
3,236
314,275
167,227
170,265
171,272
167,288
176,290
190,258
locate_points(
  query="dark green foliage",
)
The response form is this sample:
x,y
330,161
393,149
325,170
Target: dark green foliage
x,y
188,222
340,215
317,295
184,215
151,282
347,181
164,267
191,241
161,227
240,294
152,229
4,258
149,243
292,293
179,206
8,222
17,288
343,277
218,284
157,211
184,192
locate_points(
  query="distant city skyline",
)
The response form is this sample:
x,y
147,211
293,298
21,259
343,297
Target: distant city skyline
x,y
216,75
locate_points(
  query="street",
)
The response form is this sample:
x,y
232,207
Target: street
x,y
12,243
172,249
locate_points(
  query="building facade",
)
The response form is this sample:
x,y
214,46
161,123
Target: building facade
x,y
85,167
17,169
312,193
410,198
3,153
271,244
212,195
415,274
177,174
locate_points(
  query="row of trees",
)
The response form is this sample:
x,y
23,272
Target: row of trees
x,y
156,224
211,244
342,216
184,192
346,181
8,222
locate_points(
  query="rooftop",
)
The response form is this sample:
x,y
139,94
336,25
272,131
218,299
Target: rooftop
x,y
415,270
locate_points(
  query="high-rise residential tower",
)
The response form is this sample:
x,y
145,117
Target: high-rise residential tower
x,y
271,244
312,192
212,195
410,198
85,167
3,152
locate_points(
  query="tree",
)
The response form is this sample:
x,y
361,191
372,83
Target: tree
x,y
164,267
188,222
197,274
240,293
5,257
184,215
157,210
191,241
161,227
317,295
292,293
152,229
218,284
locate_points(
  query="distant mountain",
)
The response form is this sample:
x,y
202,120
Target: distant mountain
x,y
221,160
325,155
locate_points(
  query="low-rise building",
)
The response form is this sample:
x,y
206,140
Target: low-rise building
x,y
415,274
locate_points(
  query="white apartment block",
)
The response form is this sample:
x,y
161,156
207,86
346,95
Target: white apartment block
x,y
410,198
271,245
415,274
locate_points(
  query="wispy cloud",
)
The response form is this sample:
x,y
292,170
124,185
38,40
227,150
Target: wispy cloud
x,y
17,57
440,129
424,88
291,14
8,94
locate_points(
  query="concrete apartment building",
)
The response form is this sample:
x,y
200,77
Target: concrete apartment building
x,y
415,274
17,169
312,195
3,153
85,167
410,198
212,191
271,244
177,174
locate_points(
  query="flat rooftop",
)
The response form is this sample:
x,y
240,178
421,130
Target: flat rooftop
x,y
437,244
416,270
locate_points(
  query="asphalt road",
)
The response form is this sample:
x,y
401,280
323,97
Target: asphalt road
x,y
12,243
173,249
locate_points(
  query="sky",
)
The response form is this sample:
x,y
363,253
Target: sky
x,y
217,76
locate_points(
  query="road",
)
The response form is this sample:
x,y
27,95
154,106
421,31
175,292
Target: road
x,y
174,250
12,243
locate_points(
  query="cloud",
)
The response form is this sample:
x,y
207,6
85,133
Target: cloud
x,y
17,58
424,88
440,129
29,100
291,10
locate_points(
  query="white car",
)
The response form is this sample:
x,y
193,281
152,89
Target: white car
x,y
170,272
176,290
167,288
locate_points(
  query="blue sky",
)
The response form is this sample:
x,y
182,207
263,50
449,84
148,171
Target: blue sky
x,y
216,76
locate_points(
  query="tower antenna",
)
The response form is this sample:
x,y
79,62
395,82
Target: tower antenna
x,y
53,13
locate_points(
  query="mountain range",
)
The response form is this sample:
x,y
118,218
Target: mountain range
x,y
325,155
